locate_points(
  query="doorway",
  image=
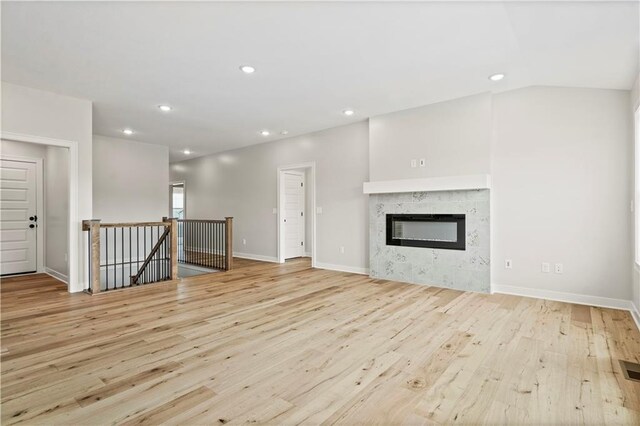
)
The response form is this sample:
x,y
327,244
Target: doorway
x,y
296,203
177,200
20,204
294,217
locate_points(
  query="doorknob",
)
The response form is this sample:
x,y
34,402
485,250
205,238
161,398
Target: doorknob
x,y
32,226
33,218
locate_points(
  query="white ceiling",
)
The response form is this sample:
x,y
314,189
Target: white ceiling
x,y
313,60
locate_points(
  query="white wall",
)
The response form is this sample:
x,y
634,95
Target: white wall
x,y
454,137
23,149
242,183
635,104
130,180
56,182
34,112
561,168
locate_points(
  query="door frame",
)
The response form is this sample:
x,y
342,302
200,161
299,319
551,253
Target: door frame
x,y
184,197
76,244
301,174
310,191
40,234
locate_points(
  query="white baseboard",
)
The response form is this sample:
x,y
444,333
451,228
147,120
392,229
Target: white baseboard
x,y
635,313
259,257
57,275
307,254
579,299
342,268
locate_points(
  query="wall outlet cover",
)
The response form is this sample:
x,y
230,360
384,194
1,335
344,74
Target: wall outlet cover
x,y
559,268
508,264
414,163
546,267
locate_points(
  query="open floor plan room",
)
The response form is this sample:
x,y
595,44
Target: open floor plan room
x,y
320,212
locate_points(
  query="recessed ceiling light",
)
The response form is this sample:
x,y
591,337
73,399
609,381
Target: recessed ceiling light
x,y
496,77
127,132
348,112
247,69
165,108
186,152
284,132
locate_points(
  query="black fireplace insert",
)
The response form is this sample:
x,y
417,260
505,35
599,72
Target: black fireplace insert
x,y
442,231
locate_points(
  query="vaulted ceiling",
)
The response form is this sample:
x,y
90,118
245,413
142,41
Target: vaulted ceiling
x,y
312,60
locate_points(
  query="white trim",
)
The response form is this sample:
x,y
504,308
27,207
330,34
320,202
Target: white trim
x,y
57,275
257,257
445,183
307,254
635,314
342,268
40,206
280,230
78,275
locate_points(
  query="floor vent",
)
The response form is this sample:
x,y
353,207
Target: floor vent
x,y
631,370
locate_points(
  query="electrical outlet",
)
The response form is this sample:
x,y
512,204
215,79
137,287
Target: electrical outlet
x,y
414,163
342,249
423,162
559,268
507,264
546,267
244,241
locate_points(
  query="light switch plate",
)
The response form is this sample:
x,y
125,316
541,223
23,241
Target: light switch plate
x,y
423,162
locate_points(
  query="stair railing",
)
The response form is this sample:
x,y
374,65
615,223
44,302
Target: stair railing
x,y
130,254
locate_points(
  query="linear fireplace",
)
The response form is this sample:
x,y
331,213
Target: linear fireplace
x,y
442,231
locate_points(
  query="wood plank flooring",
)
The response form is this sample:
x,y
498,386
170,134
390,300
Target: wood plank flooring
x,y
288,344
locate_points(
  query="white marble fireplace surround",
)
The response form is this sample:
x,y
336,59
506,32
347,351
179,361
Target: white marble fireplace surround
x,y
467,270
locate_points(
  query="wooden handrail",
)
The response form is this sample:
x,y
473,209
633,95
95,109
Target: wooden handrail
x,y
202,220
154,250
133,224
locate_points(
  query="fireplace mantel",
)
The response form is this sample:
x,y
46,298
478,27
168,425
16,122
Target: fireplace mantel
x,y
447,183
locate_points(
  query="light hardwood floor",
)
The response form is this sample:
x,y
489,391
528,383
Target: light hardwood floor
x,y
287,344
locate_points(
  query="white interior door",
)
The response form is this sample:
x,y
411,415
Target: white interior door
x,y
18,236
293,214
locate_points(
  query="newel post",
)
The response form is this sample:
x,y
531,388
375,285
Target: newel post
x,y
173,223
228,239
93,227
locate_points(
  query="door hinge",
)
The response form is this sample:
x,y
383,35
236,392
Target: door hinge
x,y
301,184
301,243
301,213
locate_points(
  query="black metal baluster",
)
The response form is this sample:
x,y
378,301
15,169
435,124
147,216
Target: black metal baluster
x,y
122,256
130,261
137,249
106,257
155,278
115,259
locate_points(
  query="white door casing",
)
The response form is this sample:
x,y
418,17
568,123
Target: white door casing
x,y
294,202
18,203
